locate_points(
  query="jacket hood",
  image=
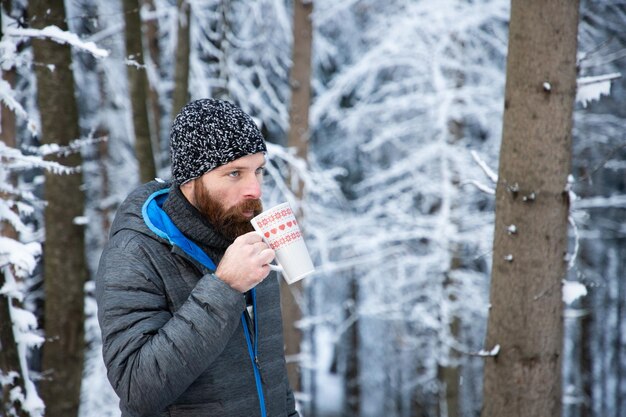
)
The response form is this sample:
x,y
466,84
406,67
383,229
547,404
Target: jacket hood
x,y
142,212
129,214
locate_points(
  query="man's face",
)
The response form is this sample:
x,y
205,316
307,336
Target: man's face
x,y
229,196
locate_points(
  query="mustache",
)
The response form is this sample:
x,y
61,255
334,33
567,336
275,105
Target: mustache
x,y
254,205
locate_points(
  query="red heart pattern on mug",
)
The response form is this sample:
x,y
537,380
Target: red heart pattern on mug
x,y
273,231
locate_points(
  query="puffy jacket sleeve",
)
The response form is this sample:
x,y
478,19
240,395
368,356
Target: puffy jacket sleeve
x,y
152,355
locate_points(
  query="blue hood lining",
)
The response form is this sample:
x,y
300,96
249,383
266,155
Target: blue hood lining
x,y
160,223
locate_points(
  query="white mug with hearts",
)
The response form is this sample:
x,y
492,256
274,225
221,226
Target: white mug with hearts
x,y
279,229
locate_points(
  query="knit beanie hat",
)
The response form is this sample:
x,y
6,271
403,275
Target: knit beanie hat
x,y
208,133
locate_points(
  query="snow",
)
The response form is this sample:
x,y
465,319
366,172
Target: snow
x,y
60,36
594,87
24,330
493,177
384,179
616,200
572,291
570,258
9,100
328,385
15,160
493,352
482,187
22,256
81,220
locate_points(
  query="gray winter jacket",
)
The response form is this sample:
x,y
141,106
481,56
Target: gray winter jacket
x,y
172,332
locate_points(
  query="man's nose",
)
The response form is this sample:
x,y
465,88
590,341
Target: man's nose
x,y
253,188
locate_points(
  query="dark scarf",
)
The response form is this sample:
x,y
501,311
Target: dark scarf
x,y
194,225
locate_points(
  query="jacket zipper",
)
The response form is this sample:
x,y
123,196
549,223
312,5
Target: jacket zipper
x,y
253,352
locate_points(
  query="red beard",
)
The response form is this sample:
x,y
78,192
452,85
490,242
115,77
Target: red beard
x,y
231,223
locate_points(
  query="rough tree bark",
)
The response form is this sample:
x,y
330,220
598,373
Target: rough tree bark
x,y
181,75
152,40
532,207
65,269
297,137
138,90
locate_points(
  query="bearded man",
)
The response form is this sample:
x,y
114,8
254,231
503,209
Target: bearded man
x,y
190,324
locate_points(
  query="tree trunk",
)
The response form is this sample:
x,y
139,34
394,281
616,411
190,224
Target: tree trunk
x,y
297,137
620,342
181,76
219,28
65,270
9,356
524,379
152,39
449,377
138,90
353,386
449,374
586,360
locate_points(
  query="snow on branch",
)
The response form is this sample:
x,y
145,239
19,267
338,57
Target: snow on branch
x,y
24,323
481,187
13,160
615,201
55,34
7,97
572,291
74,146
299,171
570,258
592,88
488,353
483,165
10,101
7,214
22,256
493,177
10,191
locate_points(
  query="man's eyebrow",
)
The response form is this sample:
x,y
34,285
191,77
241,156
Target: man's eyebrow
x,y
237,167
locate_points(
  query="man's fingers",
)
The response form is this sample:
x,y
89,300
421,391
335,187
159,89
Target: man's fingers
x,y
250,237
260,246
266,256
265,270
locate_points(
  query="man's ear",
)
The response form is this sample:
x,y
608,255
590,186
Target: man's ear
x,y
187,190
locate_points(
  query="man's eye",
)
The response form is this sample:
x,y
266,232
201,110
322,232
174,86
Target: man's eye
x,y
233,174
260,171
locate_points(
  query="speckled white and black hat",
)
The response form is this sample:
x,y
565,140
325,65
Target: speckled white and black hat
x,y
208,133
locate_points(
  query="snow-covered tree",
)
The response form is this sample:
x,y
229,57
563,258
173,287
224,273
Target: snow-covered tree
x,y
407,100
241,51
411,113
594,362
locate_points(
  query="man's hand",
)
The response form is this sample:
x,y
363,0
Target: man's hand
x,y
245,263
